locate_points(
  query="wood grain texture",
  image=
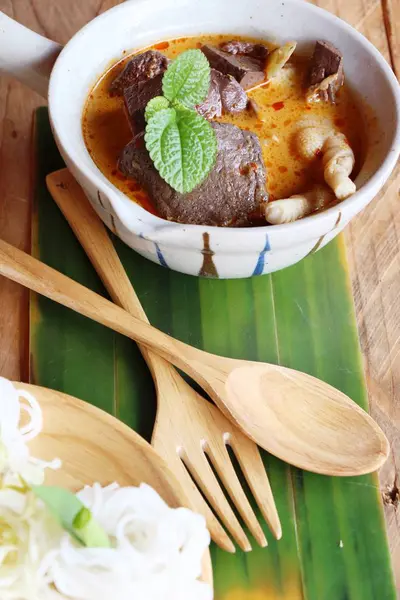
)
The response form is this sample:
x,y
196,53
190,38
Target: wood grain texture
x,y
391,14
372,238
374,256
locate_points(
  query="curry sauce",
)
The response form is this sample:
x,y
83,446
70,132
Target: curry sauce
x,y
274,113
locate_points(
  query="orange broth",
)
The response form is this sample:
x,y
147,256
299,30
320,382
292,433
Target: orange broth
x,y
280,106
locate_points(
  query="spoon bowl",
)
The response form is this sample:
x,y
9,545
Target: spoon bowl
x,y
96,447
310,424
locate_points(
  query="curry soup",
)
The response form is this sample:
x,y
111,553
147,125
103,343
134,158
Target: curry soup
x,y
280,105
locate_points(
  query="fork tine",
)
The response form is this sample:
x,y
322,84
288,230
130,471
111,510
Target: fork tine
x,y
217,532
222,463
250,461
200,469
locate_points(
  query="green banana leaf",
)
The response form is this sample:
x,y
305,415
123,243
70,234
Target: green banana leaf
x,y
334,544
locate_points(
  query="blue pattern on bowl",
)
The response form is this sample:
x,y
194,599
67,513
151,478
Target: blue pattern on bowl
x,y
160,256
259,268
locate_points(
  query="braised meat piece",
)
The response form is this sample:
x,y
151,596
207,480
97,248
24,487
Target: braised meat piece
x,y
212,105
326,62
136,97
225,95
234,98
246,70
258,51
233,191
141,67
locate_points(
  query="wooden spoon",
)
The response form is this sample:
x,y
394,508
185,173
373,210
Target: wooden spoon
x,y
96,447
295,416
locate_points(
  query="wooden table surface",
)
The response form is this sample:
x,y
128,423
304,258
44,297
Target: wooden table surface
x,y
373,239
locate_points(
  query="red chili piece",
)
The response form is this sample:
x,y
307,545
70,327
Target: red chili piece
x,y
162,46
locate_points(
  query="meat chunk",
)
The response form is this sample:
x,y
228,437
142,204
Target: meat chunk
x,y
234,98
234,189
326,61
246,70
142,67
136,97
258,51
212,105
225,95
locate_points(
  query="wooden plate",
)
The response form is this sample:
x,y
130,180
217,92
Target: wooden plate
x,y
95,446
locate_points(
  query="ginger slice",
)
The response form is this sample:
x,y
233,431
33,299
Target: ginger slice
x,y
278,58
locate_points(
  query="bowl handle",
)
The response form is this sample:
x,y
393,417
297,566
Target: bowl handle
x,y
26,55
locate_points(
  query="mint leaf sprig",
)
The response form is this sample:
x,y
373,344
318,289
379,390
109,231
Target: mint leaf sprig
x,y
187,79
181,143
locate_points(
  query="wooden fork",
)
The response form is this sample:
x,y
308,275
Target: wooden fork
x,y
189,431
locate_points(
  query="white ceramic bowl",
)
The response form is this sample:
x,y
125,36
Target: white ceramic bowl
x,y
195,249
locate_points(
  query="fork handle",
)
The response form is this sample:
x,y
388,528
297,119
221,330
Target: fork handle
x,y
95,240
97,244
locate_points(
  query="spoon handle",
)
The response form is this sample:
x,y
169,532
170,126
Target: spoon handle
x,y
97,244
35,275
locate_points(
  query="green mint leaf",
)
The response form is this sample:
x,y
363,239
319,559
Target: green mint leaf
x,y
73,516
154,105
182,146
187,78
